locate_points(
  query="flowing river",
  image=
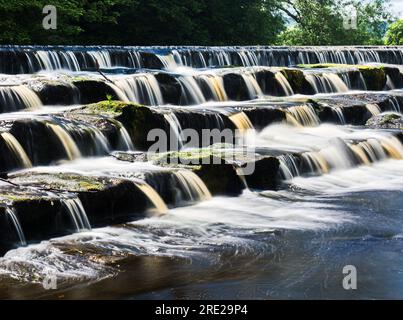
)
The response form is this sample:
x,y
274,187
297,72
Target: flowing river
x,y
86,211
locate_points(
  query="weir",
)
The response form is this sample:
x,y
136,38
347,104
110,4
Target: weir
x,y
308,120
20,59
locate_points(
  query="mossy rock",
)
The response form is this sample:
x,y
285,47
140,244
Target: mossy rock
x,y
375,78
296,79
139,120
321,65
61,181
41,216
219,175
106,200
386,121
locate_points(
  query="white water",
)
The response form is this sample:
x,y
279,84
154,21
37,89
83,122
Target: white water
x,y
13,98
12,213
77,213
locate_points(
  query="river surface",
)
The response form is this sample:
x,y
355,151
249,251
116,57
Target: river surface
x,y
271,245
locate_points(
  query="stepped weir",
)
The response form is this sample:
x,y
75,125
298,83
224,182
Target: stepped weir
x,y
256,128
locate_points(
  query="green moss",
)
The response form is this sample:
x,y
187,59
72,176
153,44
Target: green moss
x,y
389,118
13,197
111,107
375,78
67,182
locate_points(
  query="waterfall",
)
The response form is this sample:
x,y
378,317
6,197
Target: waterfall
x,y
192,185
66,140
191,92
125,141
338,111
303,115
389,83
288,166
77,213
143,89
168,61
176,128
31,59
316,162
215,85
395,104
88,138
326,83
337,155
13,98
12,213
283,82
393,147
253,87
101,58
373,109
241,121
18,151
159,204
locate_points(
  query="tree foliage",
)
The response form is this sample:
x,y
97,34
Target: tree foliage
x,y
142,22
194,22
321,22
394,34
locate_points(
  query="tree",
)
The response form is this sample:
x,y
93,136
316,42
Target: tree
x,y
21,21
321,22
142,22
394,34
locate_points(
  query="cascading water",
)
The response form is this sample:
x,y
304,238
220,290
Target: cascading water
x,y
159,204
303,115
79,58
215,85
14,98
191,92
12,213
66,140
241,121
253,87
326,83
143,89
285,85
301,159
77,213
193,186
176,128
373,109
16,149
